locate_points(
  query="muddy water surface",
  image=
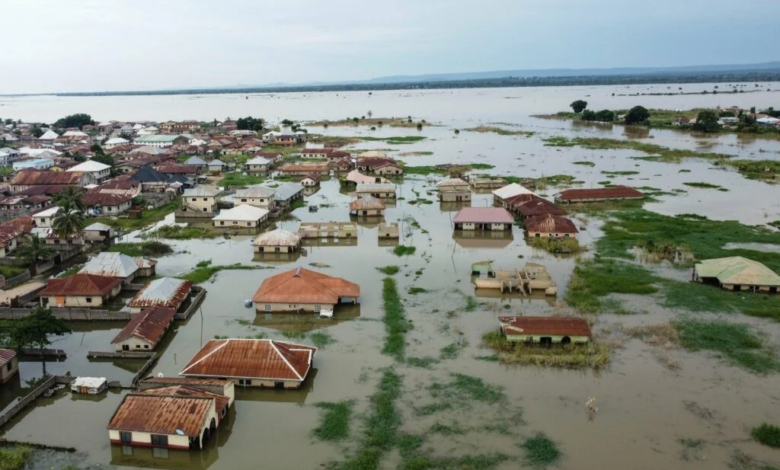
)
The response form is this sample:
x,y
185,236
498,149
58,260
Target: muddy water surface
x,y
644,408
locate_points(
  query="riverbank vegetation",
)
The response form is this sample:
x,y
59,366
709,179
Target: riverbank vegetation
x,y
149,248
204,270
178,232
498,130
395,321
556,245
574,356
540,451
14,458
767,434
334,421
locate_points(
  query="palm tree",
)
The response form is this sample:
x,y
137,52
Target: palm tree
x,y
69,199
67,223
35,250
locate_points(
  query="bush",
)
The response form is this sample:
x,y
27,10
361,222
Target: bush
x,y
767,434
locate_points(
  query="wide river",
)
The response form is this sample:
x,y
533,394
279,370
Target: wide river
x,y
646,411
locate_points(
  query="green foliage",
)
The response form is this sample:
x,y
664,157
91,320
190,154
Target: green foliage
x,y
236,179
497,130
35,249
15,458
403,250
389,270
422,362
204,273
466,462
757,169
707,121
540,451
148,217
395,321
596,279
69,199
637,115
767,434
36,329
432,170
417,290
177,232
579,106
556,245
11,271
250,123
334,424
465,390
584,163
734,341
74,120
150,248
321,339
450,351
701,184
604,115
572,356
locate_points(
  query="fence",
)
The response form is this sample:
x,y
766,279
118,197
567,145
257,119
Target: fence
x,y
26,400
12,261
152,360
200,293
12,282
45,352
120,354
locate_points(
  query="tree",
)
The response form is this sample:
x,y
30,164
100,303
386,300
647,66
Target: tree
x,y
579,106
96,148
35,250
287,122
67,223
369,114
79,157
104,159
69,199
605,115
250,124
588,115
74,120
34,330
707,121
37,132
637,115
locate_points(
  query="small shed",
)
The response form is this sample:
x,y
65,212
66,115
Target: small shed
x,y
388,231
277,241
144,330
98,232
310,180
545,330
736,273
163,292
367,206
216,166
550,226
89,385
9,364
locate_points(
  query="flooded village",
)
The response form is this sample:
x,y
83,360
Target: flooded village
x,y
418,279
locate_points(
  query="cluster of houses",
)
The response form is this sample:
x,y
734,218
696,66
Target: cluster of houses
x,y
732,118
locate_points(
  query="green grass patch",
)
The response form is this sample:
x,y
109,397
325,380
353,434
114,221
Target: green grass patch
x,y
733,341
334,422
15,458
395,321
488,358
701,184
70,271
465,389
394,140
540,451
450,351
403,250
426,362
204,273
294,334
698,297
572,356
592,281
417,290
767,170
150,248
767,434
148,217
600,143
444,169
177,232
389,270
619,173
584,163
321,339
11,271
499,131
236,179
556,245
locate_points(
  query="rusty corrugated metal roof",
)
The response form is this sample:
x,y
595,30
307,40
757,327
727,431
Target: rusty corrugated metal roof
x,y
549,223
162,414
41,178
185,380
80,284
163,292
303,286
616,192
553,326
6,355
148,325
484,215
184,391
251,358
366,203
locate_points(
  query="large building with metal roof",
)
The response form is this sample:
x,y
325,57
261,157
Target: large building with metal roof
x,y
737,274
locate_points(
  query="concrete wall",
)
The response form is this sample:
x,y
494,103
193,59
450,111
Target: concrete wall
x,y
257,168
17,280
239,223
285,307
144,439
201,204
452,196
135,344
264,202
120,354
369,213
69,314
273,249
80,301
26,400
537,338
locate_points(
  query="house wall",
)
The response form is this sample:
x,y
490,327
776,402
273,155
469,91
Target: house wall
x,y
551,235
273,249
144,439
135,344
239,223
266,383
369,212
309,182
264,202
135,310
79,301
537,338
285,307
750,288
201,204
9,370
43,222
257,168
381,195
388,171
455,196
97,235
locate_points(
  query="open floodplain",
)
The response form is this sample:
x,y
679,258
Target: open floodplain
x,y
406,379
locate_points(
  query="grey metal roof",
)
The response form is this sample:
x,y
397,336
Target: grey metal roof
x,y
288,190
371,187
97,226
201,191
216,162
110,265
195,161
278,237
255,191
160,291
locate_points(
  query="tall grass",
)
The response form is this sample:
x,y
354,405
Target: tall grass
x,y
540,451
14,458
572,356
389,270
466,389
321,339
334,425
594,280
402,250
150,248
767,434
396,325
204,273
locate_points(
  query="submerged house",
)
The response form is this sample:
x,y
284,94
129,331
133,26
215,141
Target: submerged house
x,y
9,364
287,193
241,216
736,273
277,241
144,330
80,290
545,330
599,194
550,226
258,196
175,417
377,190
98,232
501,195
454,190
367,206
483,218
530,205
302,290
202,199
253,362
328,230
164,292
111,264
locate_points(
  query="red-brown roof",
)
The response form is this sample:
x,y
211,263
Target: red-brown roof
x,y
251,358
48,190
553,326
531,204
271,155
149,325
98,198
373,162
178,169
164,292
616,192
9,233
549,223
80,284
303,168
162,414
484,215
303,286
186,381
184,391
6,356
45,178
25,223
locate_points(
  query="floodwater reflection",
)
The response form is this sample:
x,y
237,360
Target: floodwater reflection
x,y
303,322
483,239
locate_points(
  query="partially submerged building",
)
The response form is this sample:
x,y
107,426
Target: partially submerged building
x,y
98,232
144,330
530,205
483,218
164,292
241,216
287,193
388,231
501,195
377,190
614,193
454,190
328,230
253,362
202,199
303,290
736,273
9,364
545,330
549,226
80,290
367,206
258,196
110,264
277,241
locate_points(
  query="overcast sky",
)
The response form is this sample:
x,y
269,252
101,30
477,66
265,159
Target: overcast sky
x,y
92,45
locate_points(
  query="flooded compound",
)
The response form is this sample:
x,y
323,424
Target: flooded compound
x,y
451,403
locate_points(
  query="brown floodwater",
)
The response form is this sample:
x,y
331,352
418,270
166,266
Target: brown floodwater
x,y
644,407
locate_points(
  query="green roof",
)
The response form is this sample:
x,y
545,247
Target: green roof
x,y
737,270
